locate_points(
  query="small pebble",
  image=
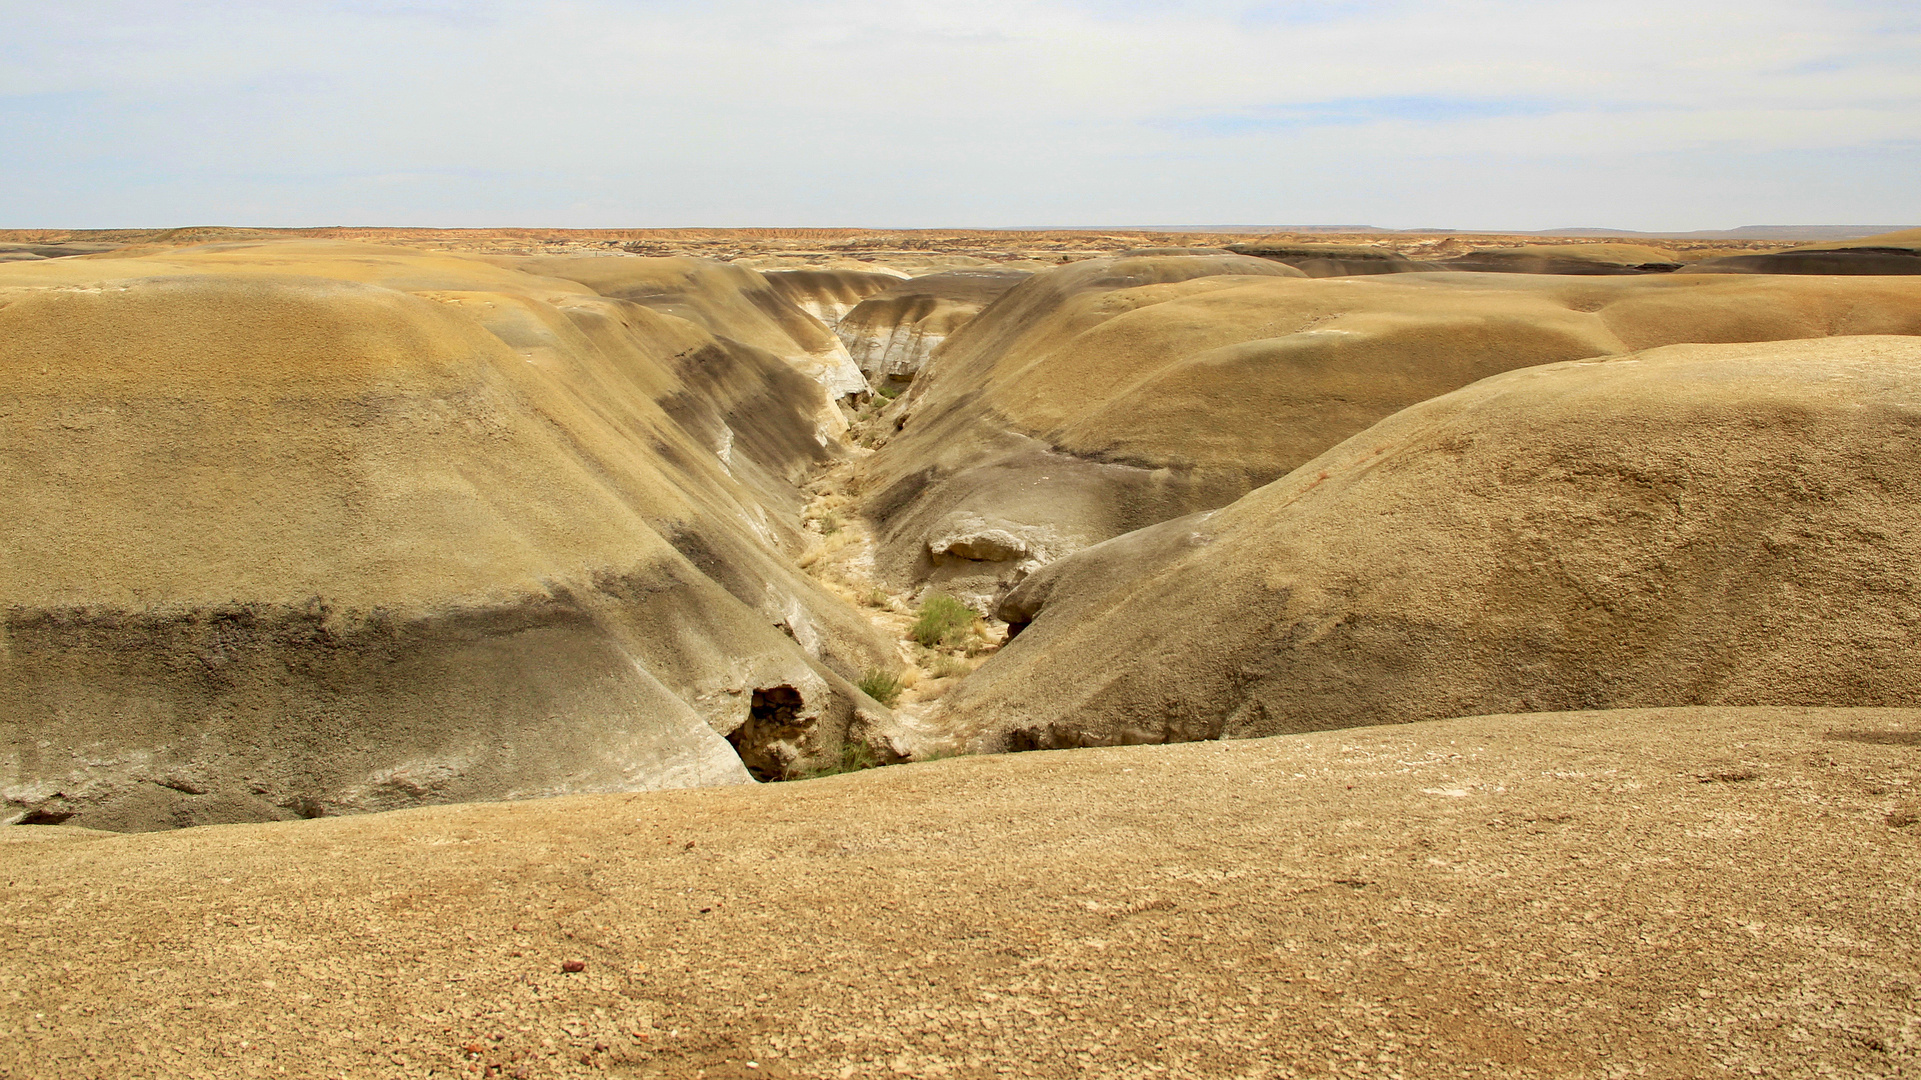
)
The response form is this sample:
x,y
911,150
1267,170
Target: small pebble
x,y
572,966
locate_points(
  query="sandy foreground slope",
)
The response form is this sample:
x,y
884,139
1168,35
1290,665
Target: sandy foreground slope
x,y
1697,892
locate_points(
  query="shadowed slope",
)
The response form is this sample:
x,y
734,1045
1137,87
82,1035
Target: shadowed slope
x,y
828,295
287,543
1064,415
1889,253
729,301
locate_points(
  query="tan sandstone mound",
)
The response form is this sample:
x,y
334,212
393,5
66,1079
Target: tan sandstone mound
x,y
1692,525
305,528
891,333
829,294
1668,893
1078,408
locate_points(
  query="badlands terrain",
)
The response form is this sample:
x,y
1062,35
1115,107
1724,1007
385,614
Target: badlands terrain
x,y
521,653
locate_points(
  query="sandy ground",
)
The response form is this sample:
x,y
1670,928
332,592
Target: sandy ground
x,y
1670,893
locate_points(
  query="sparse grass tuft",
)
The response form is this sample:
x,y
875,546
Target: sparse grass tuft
x,y
854,757
948,667
829,523
882,686
943,621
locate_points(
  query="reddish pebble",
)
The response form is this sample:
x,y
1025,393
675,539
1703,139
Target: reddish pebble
x,y
572,966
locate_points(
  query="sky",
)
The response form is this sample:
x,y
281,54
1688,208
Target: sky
x,y
1482,114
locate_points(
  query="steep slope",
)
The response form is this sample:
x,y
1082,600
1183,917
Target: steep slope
x,y
1072,411
891,333
1889,253
828,295
1335,260
1566,259
303,528
1692,525
728,301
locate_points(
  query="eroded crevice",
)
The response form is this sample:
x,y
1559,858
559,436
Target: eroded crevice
x,y
769,741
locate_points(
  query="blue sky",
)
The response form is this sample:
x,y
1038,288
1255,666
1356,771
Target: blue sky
x,y
635,113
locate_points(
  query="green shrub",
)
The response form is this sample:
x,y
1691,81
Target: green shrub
x,y
882,686
943,621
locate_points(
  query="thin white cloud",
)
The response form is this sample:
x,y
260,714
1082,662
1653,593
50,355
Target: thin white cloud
x,y
920,112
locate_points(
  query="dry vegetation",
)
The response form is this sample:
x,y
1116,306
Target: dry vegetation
x,y
841,558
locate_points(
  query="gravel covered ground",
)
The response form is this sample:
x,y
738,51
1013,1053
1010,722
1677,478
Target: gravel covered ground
x,y
1687,892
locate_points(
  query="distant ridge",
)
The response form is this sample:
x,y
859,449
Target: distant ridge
x,y
1805,233
1745,232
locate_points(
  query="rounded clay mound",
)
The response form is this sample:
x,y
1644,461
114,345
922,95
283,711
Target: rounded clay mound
x,y
1067,412
286,545
1693,525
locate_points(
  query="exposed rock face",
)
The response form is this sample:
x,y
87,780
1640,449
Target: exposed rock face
x,y
1082,410
1336,260
1576,259
19,252
1861,260
728,301
828,295
891,333
959,457
1348,260
1890,253
308,528
1692,525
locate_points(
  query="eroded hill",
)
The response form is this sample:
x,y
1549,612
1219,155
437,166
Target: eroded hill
x,y
305,528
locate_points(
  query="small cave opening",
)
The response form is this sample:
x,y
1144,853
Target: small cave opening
x,y
46,817
774,722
